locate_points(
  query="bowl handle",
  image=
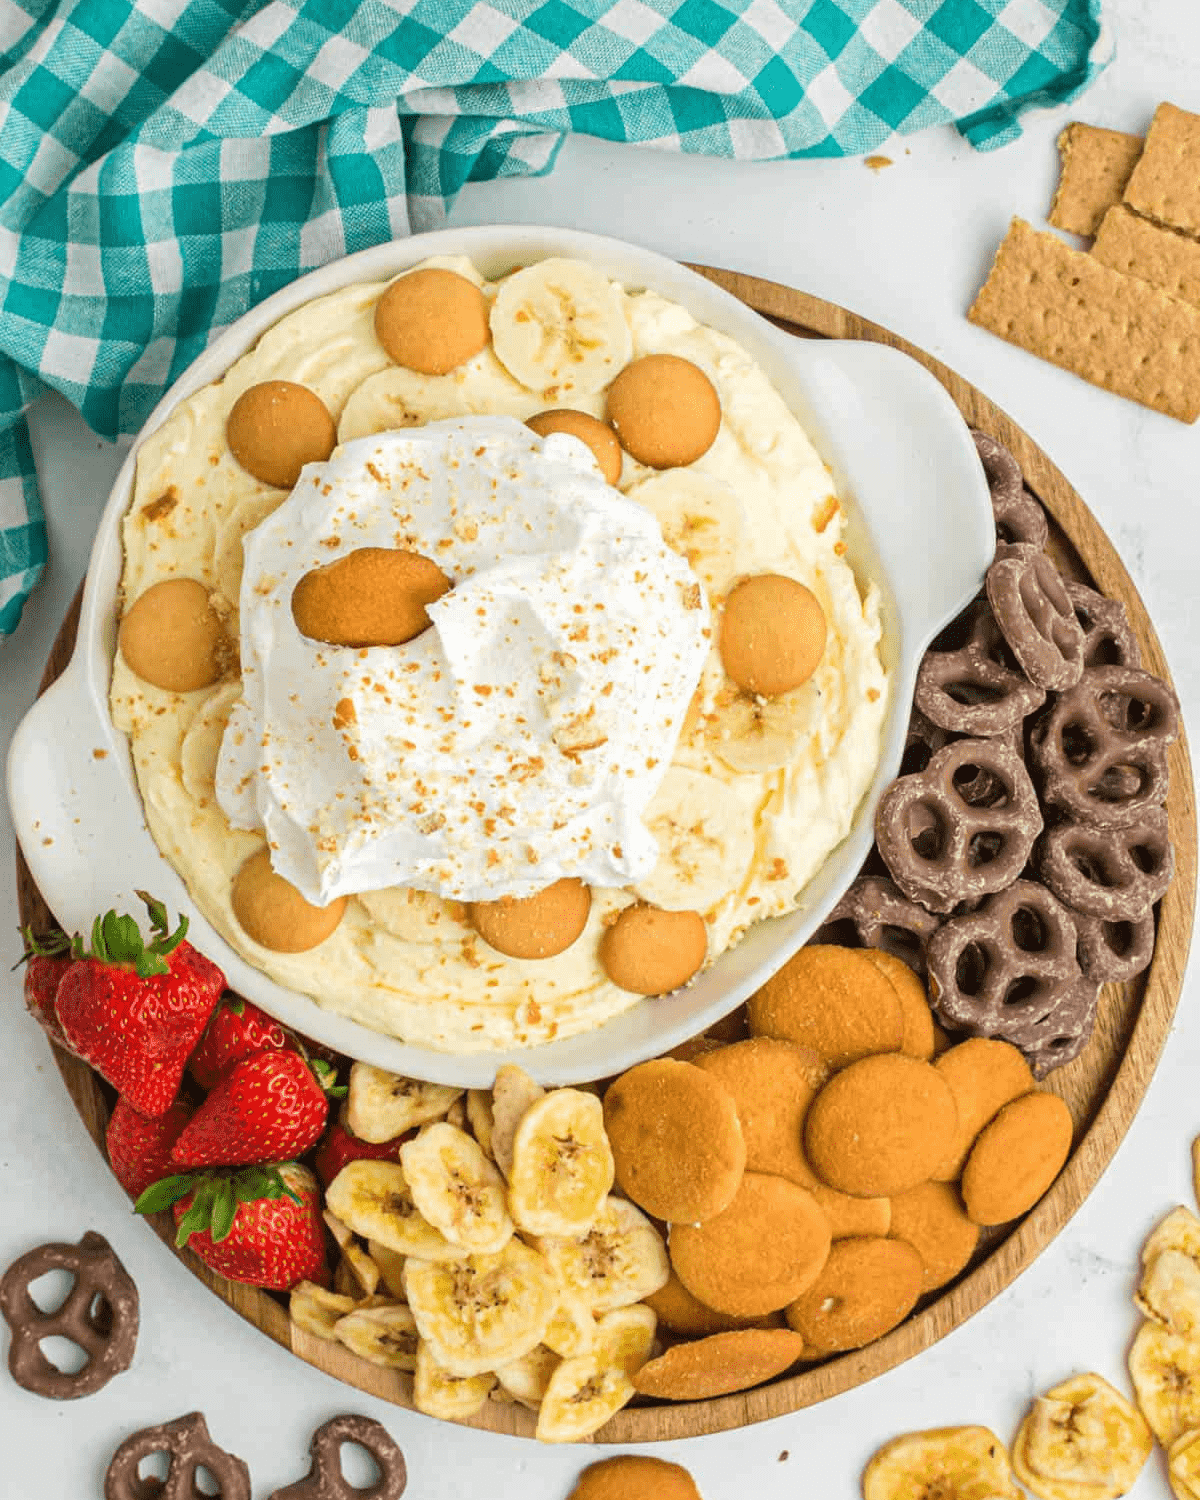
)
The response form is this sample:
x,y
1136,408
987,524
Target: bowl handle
x,y
60,789
893,429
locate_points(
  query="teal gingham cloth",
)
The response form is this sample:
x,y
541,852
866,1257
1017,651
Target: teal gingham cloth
x,y
166,164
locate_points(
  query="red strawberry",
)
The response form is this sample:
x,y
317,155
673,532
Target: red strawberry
x,y
46,960
342,1145
237,1030
134,1012
268,1107
262,1225
139,1147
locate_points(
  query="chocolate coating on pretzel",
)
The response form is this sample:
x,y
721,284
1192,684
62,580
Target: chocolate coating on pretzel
x,y
942,848
100,1315
1010,970
1102,748
326,1480
188,1447
1019,517
875,913
1034,612
1114,952
1108,638
1113,873
969,681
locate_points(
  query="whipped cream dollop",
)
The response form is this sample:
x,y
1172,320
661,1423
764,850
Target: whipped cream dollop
x,y
516,741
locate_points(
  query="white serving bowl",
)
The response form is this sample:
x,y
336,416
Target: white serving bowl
x,y
920,525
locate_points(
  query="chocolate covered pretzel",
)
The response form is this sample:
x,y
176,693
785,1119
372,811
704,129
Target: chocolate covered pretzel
x,y
1019,517
942,848
100,1315
1036,617
877,914
1114,952
1108,638
1010,970
969,681
1102,748
188,1447
326,1479
1116,874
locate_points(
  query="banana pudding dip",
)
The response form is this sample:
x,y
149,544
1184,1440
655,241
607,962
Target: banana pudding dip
x,y
489,657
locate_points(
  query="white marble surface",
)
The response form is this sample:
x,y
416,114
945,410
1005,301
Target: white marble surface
x,y
908,247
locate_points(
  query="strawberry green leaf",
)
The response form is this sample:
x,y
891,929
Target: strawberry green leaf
x,y
195,1221
235,1005
224,1211
163,1193
48,945
157,912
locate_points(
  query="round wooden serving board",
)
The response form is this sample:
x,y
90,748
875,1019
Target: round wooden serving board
x,y
1103,1087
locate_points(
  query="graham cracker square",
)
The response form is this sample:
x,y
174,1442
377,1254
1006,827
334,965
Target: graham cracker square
x,y
1165,183
1113,330
1096,164
1136,247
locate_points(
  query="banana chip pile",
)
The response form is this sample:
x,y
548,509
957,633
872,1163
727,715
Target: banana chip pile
x,y
490,1260
1164,1361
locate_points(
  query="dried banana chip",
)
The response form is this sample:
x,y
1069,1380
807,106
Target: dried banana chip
x,y
620,1260
381,1106
485,1310
512,1093
572,1329
439,1394
1165,1370
316,1310
384,1335
562,1165
1082,1440
374,1198
457,1189
1169,1291
1183,1466
949,1463
526,1379
479,1118
391,1268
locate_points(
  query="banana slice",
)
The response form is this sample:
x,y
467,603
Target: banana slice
x,y
572,1329
1082,1433
391,1268
438,1393
1169,1291
560,326
512,1093
316,1310
953,1463
479,1118
759,735
526,1379
457,1189
701,519
1183,1466
396,397
705,841
415,916
383,1105
485,1310
584,1392
620,1259
562,1167
374,1198
1165,1370
384,1335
